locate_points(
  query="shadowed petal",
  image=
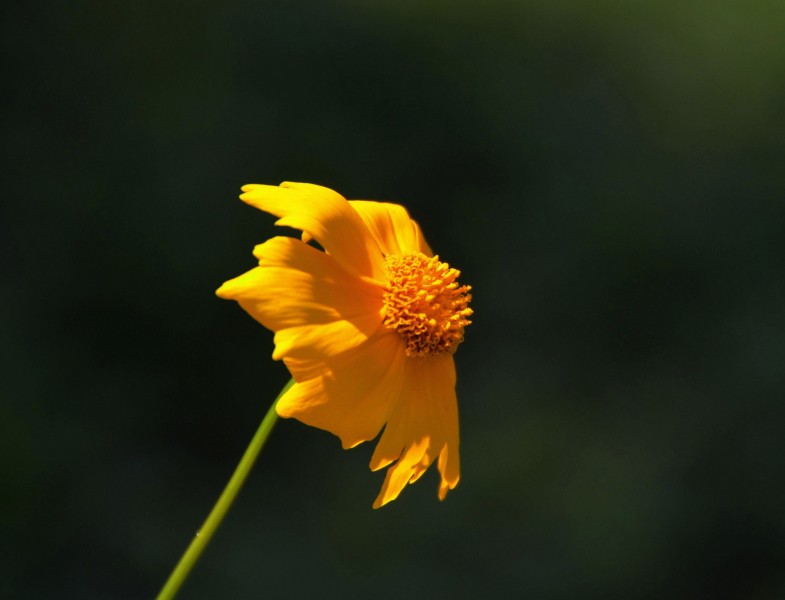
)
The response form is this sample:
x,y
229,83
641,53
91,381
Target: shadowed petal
x,y
353,394
423,426
392,227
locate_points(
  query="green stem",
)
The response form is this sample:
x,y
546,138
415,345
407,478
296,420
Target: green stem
x,y
203,536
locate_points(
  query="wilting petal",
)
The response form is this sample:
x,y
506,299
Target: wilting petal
x,y
423,426
302,294
353,394
392,227
326,216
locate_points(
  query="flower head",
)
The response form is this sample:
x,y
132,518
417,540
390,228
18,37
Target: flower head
x,y
367,327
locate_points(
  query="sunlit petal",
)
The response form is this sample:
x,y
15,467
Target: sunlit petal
x,y
313,305
325,216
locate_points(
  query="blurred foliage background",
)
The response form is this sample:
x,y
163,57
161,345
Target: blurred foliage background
x,y
608,176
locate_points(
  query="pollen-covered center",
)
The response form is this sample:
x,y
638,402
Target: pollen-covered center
x,y
425,304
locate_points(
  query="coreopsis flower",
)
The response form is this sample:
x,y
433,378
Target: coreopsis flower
x,y
367,327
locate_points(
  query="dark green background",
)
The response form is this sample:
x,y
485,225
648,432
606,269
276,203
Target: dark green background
x,y
609,176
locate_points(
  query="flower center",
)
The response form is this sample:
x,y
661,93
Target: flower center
x,y
425,304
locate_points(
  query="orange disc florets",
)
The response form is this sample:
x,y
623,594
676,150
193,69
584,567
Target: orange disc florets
x,y
424,303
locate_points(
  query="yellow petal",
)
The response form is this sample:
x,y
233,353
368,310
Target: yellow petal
x,y
321,342
312,304
325,216
423,425
392,227
353,394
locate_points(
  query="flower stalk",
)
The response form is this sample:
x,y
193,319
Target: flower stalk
x,y
224,503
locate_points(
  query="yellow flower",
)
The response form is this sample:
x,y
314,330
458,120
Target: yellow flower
x,y
367,327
